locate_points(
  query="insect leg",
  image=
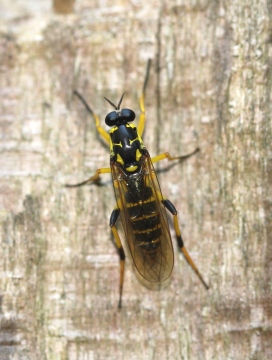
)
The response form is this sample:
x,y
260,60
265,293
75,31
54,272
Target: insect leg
x,y
94,178
141,123
99,128
114,216
170,157
169,206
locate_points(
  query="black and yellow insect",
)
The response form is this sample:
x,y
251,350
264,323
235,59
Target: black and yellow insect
x,y
140,203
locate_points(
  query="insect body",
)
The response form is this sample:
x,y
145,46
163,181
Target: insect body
x,y
140,203
143,216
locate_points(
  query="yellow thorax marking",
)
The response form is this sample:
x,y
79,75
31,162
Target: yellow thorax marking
x,y
113,129
138,155
132,168
119,159
131,141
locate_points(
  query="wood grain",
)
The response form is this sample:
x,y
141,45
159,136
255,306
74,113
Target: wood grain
x,y
210,87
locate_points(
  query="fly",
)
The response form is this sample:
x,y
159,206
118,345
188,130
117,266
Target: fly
x,y
139,201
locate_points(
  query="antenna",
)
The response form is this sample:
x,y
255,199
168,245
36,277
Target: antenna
x,y
112,104
120,101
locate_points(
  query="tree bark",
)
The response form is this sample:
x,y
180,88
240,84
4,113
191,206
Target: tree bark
x,y
210,87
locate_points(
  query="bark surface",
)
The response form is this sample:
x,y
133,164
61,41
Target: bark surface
x,y
210,87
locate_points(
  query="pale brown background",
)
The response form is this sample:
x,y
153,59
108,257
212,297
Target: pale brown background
x,y
210,87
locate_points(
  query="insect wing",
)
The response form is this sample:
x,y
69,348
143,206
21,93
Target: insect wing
x,y
144,220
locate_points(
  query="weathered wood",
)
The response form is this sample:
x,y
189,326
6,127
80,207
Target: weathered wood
x,y
210,87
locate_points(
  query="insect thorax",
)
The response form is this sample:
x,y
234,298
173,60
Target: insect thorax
x,y
126,146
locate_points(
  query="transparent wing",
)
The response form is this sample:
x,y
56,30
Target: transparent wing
x,y
144,220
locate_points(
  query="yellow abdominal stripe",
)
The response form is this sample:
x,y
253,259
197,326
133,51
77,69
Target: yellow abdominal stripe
x,y
147,231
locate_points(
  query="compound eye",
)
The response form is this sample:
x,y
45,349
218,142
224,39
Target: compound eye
x,y
128,114
111,118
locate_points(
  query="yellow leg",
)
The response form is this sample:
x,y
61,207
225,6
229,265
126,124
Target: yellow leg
x,y
141,123
169,206
166,155
94,178
113,219
99,128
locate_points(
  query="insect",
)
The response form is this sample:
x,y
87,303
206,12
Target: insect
x,y
139,200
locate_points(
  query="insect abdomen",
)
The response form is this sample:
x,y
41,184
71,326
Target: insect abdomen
x,y
145,220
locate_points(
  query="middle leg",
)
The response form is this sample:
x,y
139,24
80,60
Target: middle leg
x,y
93,178
166,155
